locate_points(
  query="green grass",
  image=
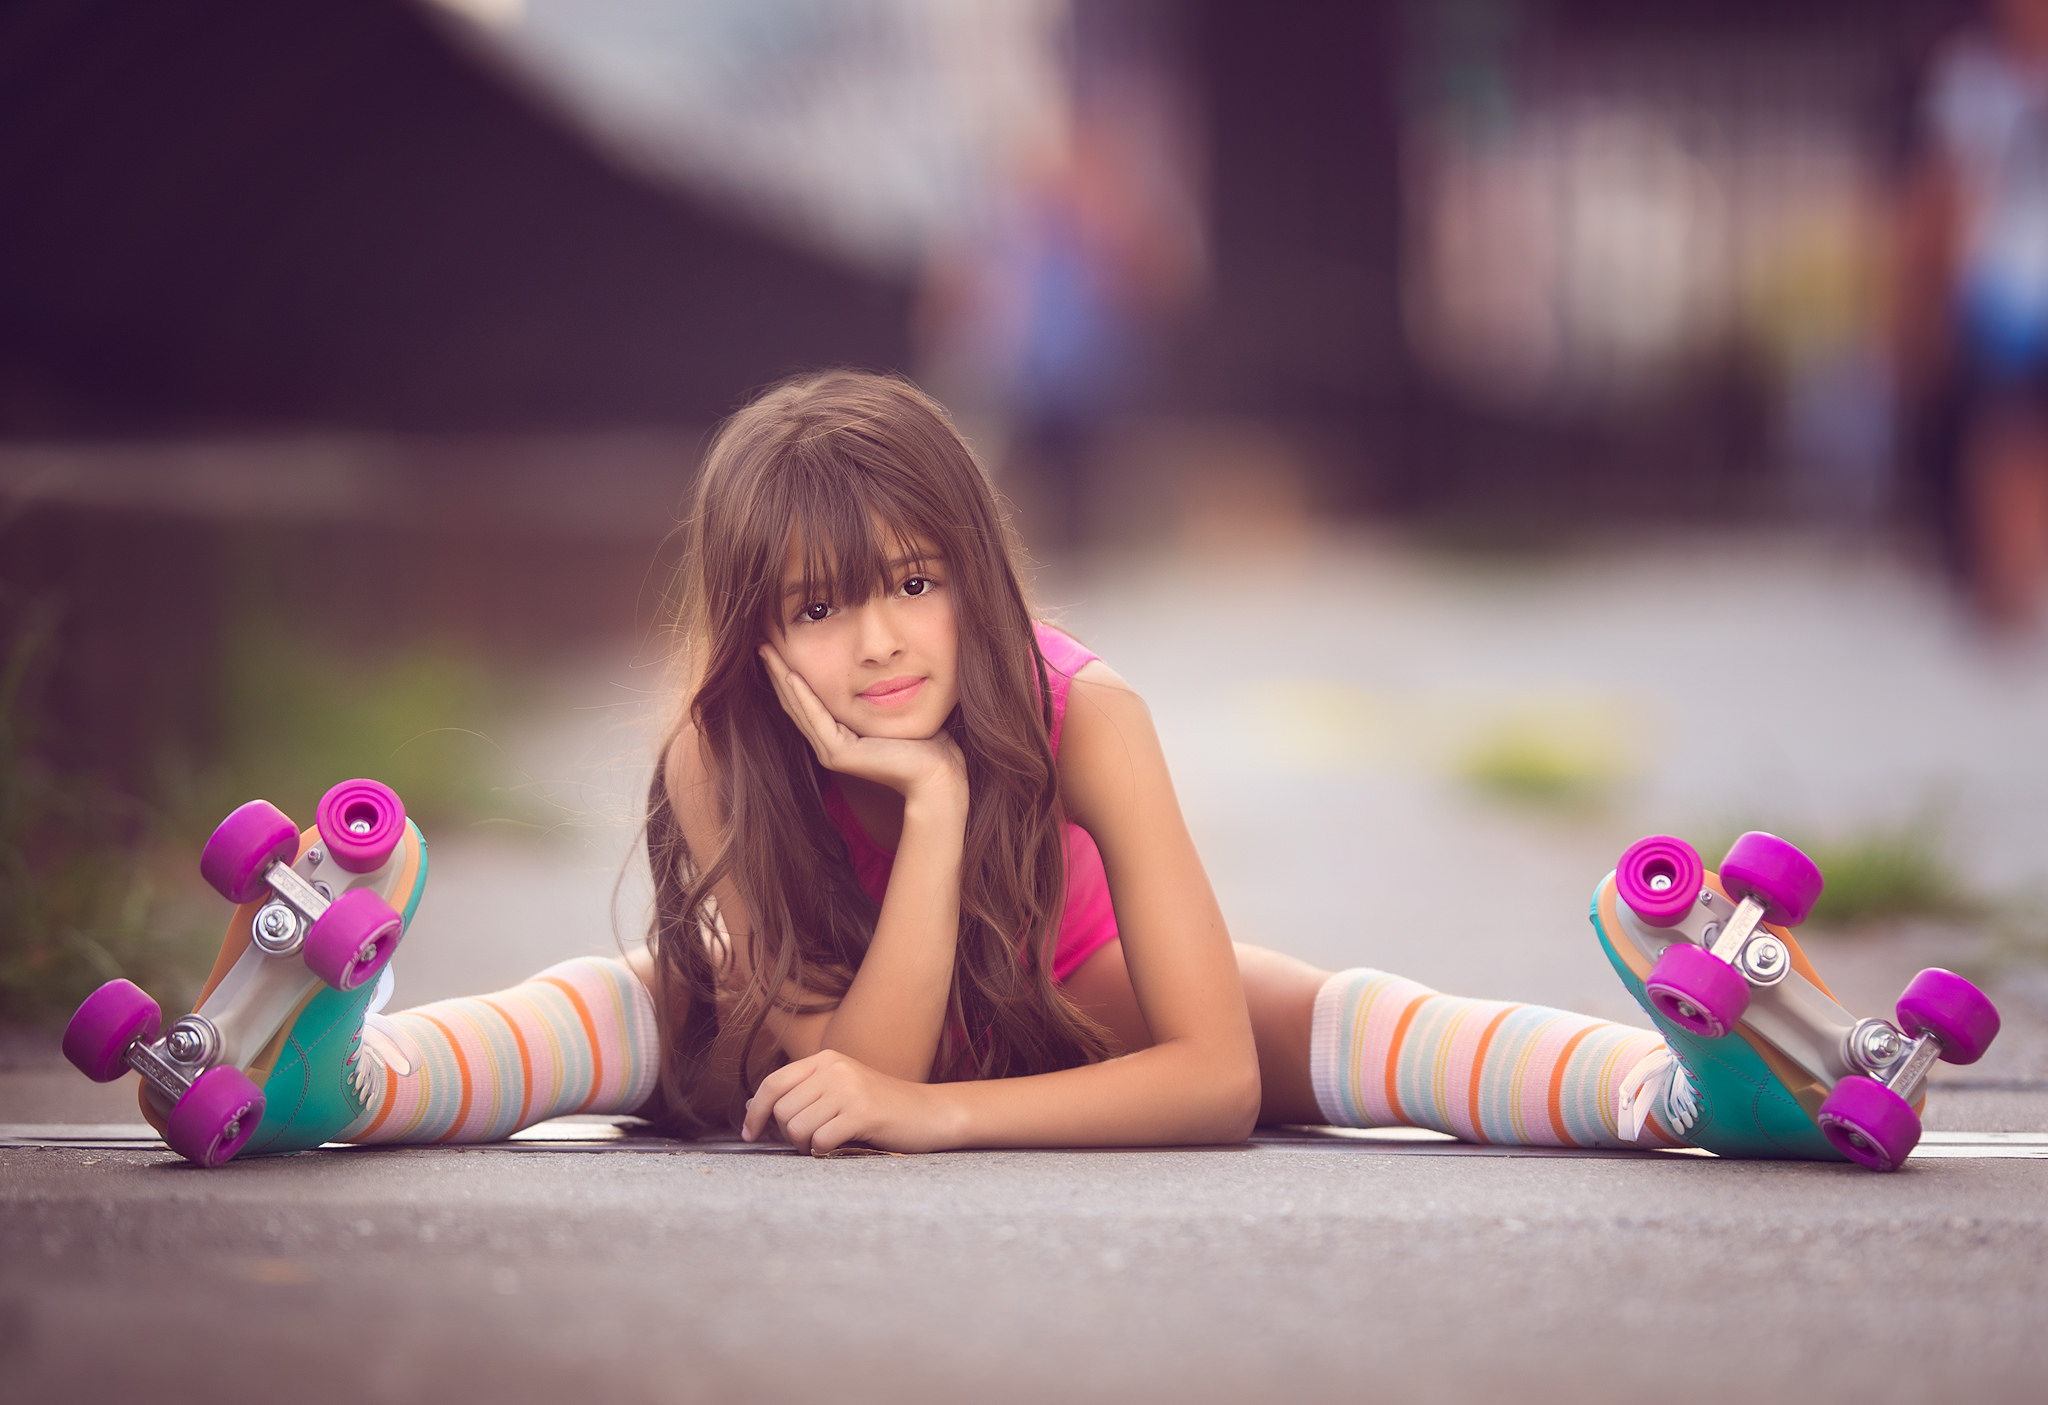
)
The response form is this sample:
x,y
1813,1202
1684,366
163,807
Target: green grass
x,y
1531,770
95,883
1883,874
296,718
1549,758
80,899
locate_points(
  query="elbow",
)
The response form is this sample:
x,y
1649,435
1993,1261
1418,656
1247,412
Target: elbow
x,y
1218,1097
1238,1099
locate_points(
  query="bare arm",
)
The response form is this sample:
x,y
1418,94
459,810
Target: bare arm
x,y
894,1012
919,919
1198,1082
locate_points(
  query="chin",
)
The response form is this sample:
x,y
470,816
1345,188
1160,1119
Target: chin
x,y
909,729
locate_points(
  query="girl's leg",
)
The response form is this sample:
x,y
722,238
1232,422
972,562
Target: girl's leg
x,y
578,1037
1386,1051
1362,1048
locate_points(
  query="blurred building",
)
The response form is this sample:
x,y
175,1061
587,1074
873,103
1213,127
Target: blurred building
x,y
446,292
320,312
1539,261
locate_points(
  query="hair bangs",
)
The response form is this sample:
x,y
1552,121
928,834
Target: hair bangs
x,y
854,530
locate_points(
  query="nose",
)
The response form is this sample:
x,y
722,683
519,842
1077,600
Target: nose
x,y
879,641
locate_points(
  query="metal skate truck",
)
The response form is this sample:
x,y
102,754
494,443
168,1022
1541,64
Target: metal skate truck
x,y
1775,1065
262,1065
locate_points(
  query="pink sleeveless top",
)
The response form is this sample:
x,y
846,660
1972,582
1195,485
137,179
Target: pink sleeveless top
x,y
1089,923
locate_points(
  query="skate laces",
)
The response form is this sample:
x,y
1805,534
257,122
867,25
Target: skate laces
x,y
386,1045
1657,1083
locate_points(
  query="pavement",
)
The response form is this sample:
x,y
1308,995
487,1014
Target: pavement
x,y
1327,704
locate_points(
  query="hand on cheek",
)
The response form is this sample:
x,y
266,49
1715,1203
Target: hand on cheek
x,y
931,765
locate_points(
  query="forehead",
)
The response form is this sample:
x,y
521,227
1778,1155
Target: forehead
x,y
807,568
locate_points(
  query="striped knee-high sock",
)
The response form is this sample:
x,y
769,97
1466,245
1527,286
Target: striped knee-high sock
x,y
578,1037
1385,1051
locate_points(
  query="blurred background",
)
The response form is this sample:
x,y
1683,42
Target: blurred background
x,y
1487,430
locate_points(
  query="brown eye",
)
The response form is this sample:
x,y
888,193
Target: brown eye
x,y
816,611
916,585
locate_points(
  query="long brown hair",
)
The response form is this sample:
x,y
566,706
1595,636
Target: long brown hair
x,y
852,467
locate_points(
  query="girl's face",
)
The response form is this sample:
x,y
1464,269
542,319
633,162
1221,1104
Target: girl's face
x,y
884,667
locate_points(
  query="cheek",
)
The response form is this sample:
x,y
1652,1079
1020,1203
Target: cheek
x,y
945,650
941,648
810,654
942,640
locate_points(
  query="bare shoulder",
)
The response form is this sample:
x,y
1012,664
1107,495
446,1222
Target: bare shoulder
x,y
1109,749
1095,675
1101,701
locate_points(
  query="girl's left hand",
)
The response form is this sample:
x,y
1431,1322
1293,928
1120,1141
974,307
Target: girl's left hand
x,y
822,1102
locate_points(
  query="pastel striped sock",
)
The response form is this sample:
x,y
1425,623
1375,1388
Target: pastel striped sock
x,y
1385,1051
578,1037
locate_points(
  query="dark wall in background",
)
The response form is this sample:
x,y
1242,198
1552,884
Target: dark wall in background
x,y
242,221
327,212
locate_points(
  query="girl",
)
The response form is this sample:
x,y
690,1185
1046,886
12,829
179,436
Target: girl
x,y
922,882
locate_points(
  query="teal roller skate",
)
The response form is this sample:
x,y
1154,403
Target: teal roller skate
x,y
1763,1060
267,1062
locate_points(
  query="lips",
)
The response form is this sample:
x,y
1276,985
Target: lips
x,y
892,692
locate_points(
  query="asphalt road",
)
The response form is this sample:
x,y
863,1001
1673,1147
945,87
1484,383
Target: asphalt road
x,y
1318,707
1260,1272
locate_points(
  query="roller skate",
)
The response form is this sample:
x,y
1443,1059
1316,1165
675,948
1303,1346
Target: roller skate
x,y
1768,1063
266,1063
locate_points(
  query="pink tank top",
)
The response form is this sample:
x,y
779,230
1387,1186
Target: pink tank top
x,y
1089,922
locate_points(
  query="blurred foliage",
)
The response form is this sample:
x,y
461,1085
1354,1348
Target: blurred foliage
x,y
95,883
296,718
1551,758
1882,874
1889,873
83,896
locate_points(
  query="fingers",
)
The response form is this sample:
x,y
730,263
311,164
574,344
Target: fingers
x,y
773,1089
801,1128
801,1110
816,1103
832,1134
796,1098
781,677
821,729
799,701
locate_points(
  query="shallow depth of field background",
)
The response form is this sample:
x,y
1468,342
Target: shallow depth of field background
x,y
1483,429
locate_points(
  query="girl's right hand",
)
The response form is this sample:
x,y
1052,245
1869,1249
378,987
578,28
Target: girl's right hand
x,y
929,767
822,1102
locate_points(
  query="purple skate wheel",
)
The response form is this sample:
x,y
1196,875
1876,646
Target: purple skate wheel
x,y
361,822
1775,873
350,942
1660,879
245,844
111,1019
1943,1004
216,1117
1869,1123
1697,991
